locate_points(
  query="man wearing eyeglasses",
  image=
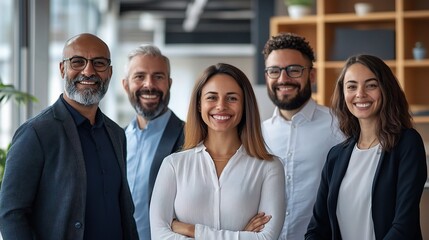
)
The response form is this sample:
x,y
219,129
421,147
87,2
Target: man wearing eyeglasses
x,y
300,132
65,175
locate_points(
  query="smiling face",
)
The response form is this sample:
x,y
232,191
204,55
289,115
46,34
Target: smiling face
x,y
221,104
289,93
362,92
87,86
148,85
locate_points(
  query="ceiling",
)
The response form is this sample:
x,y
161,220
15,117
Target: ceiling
x,y
218,21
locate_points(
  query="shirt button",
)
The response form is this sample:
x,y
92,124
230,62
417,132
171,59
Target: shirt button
x,y
287,213
288,177
78,225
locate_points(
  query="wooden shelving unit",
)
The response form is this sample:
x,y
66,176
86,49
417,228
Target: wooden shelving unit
x,y
409,19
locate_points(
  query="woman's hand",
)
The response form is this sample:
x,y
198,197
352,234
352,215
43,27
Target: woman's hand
x,y
183,228
257,223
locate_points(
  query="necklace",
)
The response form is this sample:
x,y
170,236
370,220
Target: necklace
x,y
220,159
369,144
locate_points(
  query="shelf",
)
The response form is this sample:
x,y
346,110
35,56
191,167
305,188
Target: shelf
x,y
417,14
287,20
416,63
351,17
421,119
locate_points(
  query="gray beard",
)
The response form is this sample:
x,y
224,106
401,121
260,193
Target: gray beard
x,y
150,114
88,96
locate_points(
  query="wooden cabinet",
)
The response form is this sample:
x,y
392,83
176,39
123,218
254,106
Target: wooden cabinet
x,y
408,20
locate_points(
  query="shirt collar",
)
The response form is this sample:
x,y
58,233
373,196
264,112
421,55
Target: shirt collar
x,y
307,112
79,119
200,147
157,123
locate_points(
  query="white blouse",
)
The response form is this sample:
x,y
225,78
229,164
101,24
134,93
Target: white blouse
x,y
188,189
354,198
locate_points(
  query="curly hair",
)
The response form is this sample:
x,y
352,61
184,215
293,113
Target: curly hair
x,y
289,41
394,114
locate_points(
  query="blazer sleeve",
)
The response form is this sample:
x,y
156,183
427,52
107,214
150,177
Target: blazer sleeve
x,y
24,165
412,175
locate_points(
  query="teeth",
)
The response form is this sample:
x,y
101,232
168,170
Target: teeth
x,y
218,117
284,88
149,96
363,105
87,83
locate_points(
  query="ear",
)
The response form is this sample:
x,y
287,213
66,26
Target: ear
x,y
170,81
125,84
110,71
313,76
62,69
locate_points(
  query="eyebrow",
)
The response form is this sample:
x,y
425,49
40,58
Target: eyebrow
x,y
367,80
213,92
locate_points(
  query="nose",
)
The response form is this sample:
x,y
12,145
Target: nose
x,y
149,82
283,76
221,104
89,70
361,92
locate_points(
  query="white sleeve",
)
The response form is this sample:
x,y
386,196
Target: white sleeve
x,y
272,202
162,203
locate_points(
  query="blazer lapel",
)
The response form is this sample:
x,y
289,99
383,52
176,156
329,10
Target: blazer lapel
x,y
166,146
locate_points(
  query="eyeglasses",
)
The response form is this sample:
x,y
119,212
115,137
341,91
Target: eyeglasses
x,y
293,71
100,64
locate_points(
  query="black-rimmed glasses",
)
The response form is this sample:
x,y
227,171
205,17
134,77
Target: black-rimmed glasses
x,y
100,64
293,71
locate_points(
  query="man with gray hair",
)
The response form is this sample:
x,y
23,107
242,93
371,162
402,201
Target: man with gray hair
x,y
155,132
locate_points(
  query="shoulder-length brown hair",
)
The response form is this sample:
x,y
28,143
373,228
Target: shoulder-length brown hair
x,y
249,128
394,113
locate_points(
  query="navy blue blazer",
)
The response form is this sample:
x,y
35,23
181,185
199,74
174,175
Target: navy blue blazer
x,y
43,194
396,191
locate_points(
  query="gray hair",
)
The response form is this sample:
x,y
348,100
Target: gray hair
x,y
147,50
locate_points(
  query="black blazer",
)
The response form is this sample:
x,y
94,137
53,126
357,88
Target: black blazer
x,y
171,141
396,191
43,193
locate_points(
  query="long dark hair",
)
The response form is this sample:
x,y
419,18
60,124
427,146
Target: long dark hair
x,y
394,113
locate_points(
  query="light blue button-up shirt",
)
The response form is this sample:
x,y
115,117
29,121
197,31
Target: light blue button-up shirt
x,y
141,149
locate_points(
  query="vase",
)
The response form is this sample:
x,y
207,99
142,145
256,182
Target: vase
x,y
298,11
419,52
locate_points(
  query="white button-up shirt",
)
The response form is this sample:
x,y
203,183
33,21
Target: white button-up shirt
x,y
302,145
188,188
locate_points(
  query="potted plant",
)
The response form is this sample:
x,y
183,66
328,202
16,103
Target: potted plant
x,y
8,91
298,8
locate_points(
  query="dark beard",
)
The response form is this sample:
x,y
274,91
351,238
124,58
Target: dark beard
x,y
87,96
291,103
150,113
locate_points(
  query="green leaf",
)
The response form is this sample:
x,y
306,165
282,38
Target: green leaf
x,y
8,91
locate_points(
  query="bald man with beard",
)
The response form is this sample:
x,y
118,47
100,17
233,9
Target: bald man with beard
x,y
65,175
